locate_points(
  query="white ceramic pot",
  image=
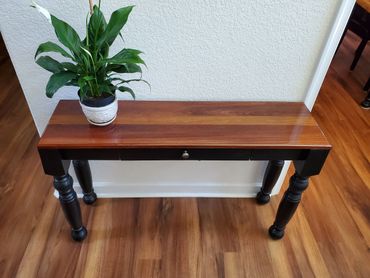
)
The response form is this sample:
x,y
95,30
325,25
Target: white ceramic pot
x,y
101,116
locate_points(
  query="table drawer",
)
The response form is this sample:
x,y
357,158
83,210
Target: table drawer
x,y
185,154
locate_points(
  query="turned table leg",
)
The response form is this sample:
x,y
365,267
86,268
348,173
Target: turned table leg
x,y
367,85
71,207
366,102
272,174
83,173
288,205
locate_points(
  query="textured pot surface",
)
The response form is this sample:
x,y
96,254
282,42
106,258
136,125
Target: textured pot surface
x,y
101,116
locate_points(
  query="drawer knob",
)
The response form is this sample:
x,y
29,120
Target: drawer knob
x,y
185,155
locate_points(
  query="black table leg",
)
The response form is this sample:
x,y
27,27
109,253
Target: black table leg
x,y
83,173
71,207
366,102
288,205
367,85
272,174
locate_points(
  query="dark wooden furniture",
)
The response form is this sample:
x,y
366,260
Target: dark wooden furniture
x,y
365,4
3,52
366,102
160,130
359,23
367,85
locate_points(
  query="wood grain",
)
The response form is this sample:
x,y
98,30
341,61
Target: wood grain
x,y
174,237
171,124
365,4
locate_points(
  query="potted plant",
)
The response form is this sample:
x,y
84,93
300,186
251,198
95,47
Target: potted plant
x,y
88,64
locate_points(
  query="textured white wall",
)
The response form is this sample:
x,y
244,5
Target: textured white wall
x,y
195,50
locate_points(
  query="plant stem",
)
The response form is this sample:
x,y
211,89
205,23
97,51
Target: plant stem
x,y
91,6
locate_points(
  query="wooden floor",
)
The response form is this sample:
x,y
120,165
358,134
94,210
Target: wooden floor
x,y
329,235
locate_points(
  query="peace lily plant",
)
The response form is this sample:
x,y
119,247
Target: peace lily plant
x,y
89,65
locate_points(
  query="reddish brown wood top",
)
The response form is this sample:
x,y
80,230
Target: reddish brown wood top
x,y
164,124
364,4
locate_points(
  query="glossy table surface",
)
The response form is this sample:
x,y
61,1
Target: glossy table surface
x,y
171,124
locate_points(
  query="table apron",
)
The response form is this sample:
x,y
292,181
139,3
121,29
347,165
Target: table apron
x,y
177,154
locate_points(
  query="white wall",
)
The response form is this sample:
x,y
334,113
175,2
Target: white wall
x,y
195,50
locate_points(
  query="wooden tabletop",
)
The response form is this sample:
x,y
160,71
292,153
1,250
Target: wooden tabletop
x,y
163,124
365,4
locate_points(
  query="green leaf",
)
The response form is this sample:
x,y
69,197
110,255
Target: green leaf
x,y
51,47
96,26
58,80
133,68
101,75
116,22
104,88
69,66
127,89
49,64
82,84
126,56
88,78
125,68
73,82
66,35
122,81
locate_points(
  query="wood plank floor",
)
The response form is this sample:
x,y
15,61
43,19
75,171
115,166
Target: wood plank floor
x,y
328,237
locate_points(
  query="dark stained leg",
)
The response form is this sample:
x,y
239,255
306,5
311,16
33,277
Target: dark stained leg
x,y
358,53
367,85
83,173
288,205
71,207
272,174
366,102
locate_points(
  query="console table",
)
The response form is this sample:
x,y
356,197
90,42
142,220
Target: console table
x,y
165,130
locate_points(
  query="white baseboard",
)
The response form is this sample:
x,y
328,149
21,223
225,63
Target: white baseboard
x,y
205,186
331,44
106,190
109,190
